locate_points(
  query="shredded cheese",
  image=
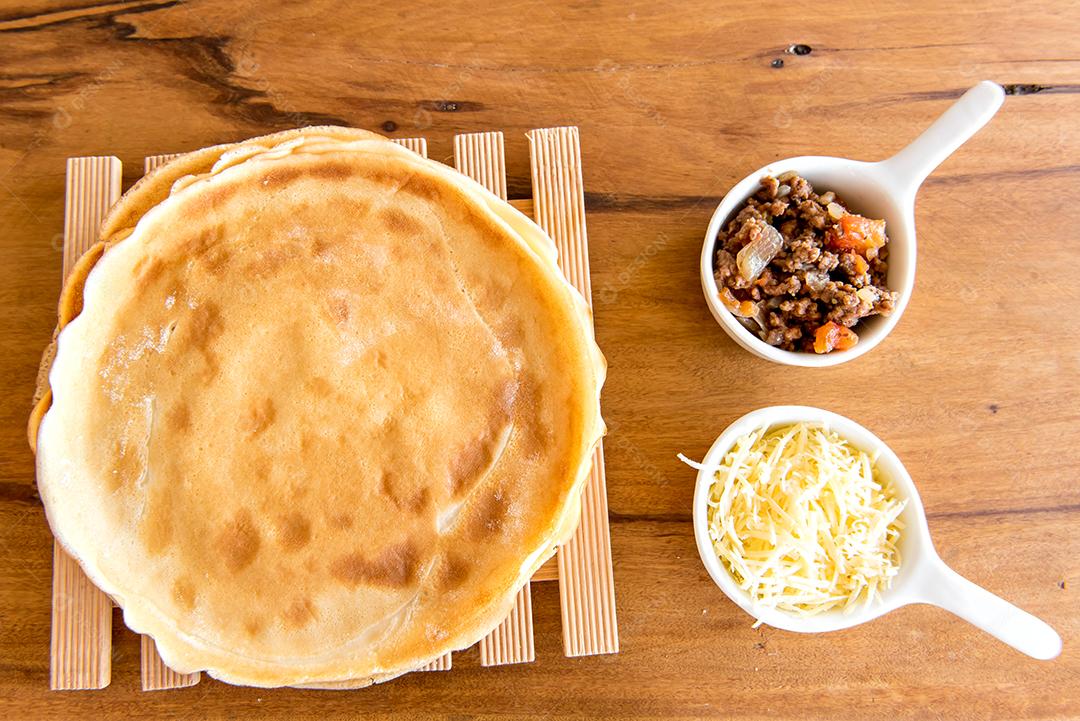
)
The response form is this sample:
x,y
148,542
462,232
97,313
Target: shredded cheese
x,y
803,521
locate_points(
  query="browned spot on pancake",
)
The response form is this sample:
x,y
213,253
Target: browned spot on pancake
x,y
399,253
469,463
152,271
475,219
491,512
333,171
451,572
340,520
127,466
339,309
183,592
394,566
216,259
178,418
487,229
320,248
239,542
477,455
269,262
320,386
280,176
399,223
422,187
260,468
157,528
260,416
381,177
294,531
337,206
206,326
419,501
216,197
209,200
300,613
208,249
195,245
414,500
253,626
386,485
141,264
536,436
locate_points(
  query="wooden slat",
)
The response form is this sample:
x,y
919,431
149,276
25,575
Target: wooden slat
x,y
93,185
81,643
156,676
586,585
512,640
153,162
481,157
443,663
418,146
81,628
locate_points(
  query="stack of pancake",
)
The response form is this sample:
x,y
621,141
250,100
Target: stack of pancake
x,y
317,409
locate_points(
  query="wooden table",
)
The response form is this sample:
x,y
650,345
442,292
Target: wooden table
x,y
976,390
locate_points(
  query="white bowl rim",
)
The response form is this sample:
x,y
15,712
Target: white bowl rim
x,y
876,174
914,517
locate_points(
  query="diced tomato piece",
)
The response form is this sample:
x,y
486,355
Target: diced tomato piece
x,y
856,233
833,336
861,266
741,308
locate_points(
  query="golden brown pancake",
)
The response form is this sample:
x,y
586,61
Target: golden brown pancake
x,y
318,409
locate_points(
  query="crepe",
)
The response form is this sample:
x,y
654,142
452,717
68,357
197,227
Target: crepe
x,y
319,407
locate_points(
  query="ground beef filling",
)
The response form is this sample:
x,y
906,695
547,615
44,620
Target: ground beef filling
x,y
808,292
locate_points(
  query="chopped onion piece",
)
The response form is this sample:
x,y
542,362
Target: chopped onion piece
x,y
867,295
761,317
740,308
759,252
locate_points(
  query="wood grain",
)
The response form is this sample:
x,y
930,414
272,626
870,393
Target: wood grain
x,y
586,583
156,676
81,628
976,389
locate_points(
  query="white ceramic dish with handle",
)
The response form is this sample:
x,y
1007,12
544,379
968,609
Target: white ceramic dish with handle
x,y
885,189
923,577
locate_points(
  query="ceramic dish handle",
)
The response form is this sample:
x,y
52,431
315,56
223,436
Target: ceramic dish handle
x,y
906,170
947,589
